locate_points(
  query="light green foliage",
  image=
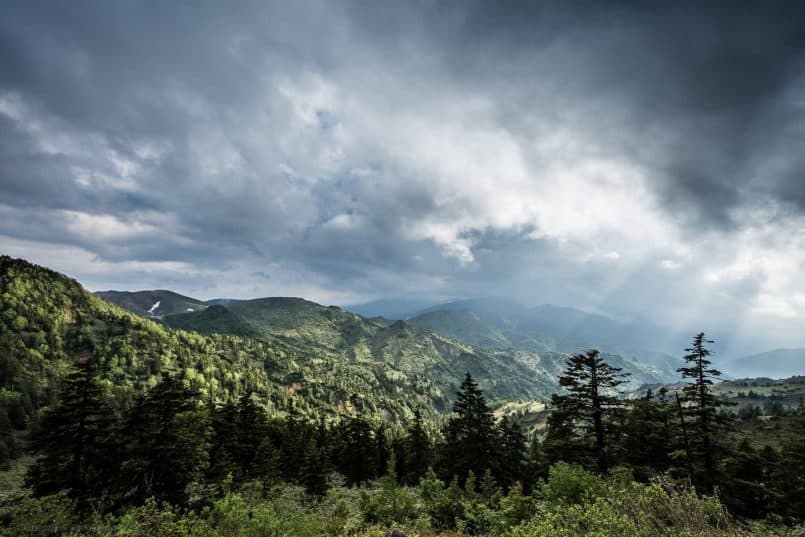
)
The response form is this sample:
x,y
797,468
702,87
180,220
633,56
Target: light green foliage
x,y
49,515
390,503
47,316
614,506
569,484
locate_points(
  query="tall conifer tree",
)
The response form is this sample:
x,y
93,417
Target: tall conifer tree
x,y
75,439
417,450
584,419
702,405
470,436
168,441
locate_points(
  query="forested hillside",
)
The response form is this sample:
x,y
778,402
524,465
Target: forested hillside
x,y
293,354
48,321
342,336
507,368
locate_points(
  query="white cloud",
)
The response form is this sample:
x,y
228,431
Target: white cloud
x,y
670,264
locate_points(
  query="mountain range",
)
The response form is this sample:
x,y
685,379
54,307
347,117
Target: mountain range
x,y
493,325
508,362
502,323
295,355
777,363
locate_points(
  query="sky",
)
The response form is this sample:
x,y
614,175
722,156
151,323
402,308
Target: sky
x,y
641,160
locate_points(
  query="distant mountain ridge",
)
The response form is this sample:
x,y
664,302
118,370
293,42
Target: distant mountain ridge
x,y
776,363
493,336
511,370
153,303
501,323
389,308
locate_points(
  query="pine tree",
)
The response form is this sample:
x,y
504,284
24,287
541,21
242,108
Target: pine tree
x,y
511,452
745,489
648,440
583,420
292,437
382,454
418,449
702,405
313,471
250,431
356,452
470,436
536,465
223,421
75,440
168,441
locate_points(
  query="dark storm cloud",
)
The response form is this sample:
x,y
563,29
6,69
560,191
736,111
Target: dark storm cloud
x,y
379,148
711,80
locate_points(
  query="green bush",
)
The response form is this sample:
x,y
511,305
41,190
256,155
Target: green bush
x,y
569,484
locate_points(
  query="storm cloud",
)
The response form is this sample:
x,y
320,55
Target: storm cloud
x,y
637,159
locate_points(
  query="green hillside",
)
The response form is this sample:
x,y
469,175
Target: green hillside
x,y
292,353
47,320
214,319
435,363
506,370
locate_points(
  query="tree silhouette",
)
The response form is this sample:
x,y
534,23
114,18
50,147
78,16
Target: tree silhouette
x,y
470,436
702,405
417,446
168,441
583,419
75,439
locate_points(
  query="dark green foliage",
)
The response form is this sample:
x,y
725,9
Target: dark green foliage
x,y
167,435
746,487
790,473
355,450
584,421
313,470
417,450
75,440
511,454
250,431
702,406
650,435
470,438
222,462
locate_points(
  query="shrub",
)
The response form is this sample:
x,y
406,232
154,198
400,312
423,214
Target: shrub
x,y
569,484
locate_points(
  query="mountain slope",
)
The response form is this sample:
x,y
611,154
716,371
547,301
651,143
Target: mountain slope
x,y
522,368
778,363
497,323
48,320
214,319
155,304
429,360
